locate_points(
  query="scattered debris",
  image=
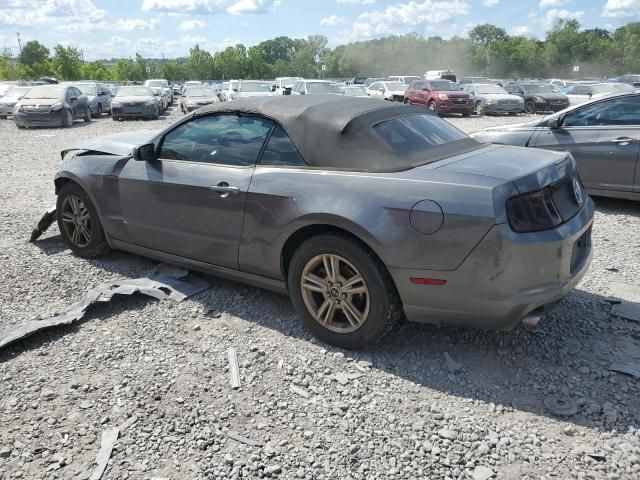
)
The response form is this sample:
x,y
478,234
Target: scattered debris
x,y
109,438
161,288
482,473
632,369
627,310
299,391
561,406
247,441
233,368
451,364
45,222
128,423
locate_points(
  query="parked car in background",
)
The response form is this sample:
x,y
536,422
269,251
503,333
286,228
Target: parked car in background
x,y
630,79
602,135
196,97
5,86
441,75
161,98
167,91
392,91
371,80
578,94
436,229
357,81
135,102
176,88
285,84
404,79
253,88
538,97
354,91
479,80
98,95
228,90
51,106
313,87
10,99
191,83
491,98
439,96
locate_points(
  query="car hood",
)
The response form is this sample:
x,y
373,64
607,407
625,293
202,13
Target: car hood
x,y
253,94
528,168
43,102
134,99
548,96
116,144
499,96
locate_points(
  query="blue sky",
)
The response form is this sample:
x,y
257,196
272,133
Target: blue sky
x,y
106,28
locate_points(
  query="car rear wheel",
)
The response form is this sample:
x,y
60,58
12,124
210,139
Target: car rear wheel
x,y
480,109
529,107
87,114
407,101
114,118
79,223
342,292
68,119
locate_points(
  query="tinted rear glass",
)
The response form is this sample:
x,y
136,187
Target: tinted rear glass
x,y
417,133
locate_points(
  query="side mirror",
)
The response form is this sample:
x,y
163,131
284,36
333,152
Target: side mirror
x,y
555,123
144,153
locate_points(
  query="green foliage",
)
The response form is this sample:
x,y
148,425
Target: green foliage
x,y
67,63
96,71
174,71
123,70
33,53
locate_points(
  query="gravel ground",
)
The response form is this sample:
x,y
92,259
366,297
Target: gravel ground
x,y
429,402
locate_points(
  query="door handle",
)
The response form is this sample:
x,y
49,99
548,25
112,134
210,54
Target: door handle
x,y
224,189
623,141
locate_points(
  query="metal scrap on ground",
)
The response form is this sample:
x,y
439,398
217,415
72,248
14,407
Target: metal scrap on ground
x,y
233,368
160,287
632,369
629,305
247,441
109,438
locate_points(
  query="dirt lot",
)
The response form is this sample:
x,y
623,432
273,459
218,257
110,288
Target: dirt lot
x,y
402,409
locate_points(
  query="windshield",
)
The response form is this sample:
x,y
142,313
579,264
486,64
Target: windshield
x,y
538,88
395,86
86,88
16,92
288,82
355,92
322,87
192,84
410,79
45,92
134,92
254,87
199,92
417,133
488,89
446,86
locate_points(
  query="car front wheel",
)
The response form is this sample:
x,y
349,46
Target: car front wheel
x,y
68,119
87,114
433,107
79,223
529,107
342,291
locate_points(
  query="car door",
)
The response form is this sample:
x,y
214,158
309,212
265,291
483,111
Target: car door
x,y
73,99
190,201
578,94
604,138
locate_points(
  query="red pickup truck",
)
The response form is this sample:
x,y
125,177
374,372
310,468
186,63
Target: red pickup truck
x,y
439,96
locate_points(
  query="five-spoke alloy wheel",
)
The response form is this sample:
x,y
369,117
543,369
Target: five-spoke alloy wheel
x,y
76,221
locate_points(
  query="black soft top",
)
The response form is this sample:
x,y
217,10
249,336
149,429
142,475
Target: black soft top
x,y
335,131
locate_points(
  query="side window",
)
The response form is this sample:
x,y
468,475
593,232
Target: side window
x,y
281,151
219,139
617,111
375,86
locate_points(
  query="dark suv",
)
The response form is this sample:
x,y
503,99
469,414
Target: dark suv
x,y
538,97
439,96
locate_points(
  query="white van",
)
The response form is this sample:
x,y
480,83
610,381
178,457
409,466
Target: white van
x,y
285,84
441,75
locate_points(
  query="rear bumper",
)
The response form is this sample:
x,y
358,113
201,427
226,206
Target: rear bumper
x,y
51,119
506,277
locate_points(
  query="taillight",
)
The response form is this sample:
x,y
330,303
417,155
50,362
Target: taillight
x,y
533,212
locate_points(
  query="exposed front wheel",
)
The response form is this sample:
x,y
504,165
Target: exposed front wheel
x,y
529,107
433,107
479,109
79,223
99,111
342,291
68,119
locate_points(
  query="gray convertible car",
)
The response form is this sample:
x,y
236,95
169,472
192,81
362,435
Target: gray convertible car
x,y
363,213
603,135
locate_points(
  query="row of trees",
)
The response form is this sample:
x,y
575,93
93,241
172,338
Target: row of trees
x,y
488,50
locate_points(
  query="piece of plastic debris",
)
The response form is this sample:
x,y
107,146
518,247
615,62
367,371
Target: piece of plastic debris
x,y
632,369
109,438
299,391
625,291
166,270
234,370
45,222
128,423
160,287
561,406
247,441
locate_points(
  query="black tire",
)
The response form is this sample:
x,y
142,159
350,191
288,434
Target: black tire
x,y
513,114
479,109
99,111
433,107
384,307
68,119
87,114
407,101
529,107
3,117
115,119
156,116
466,114
97,245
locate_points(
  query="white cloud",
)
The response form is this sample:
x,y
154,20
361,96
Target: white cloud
x,y
555,14
408,16
27,13
185,6
520,30
552,3
356,2
331,21
490,3
136,24
192,25
252,6
621,8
